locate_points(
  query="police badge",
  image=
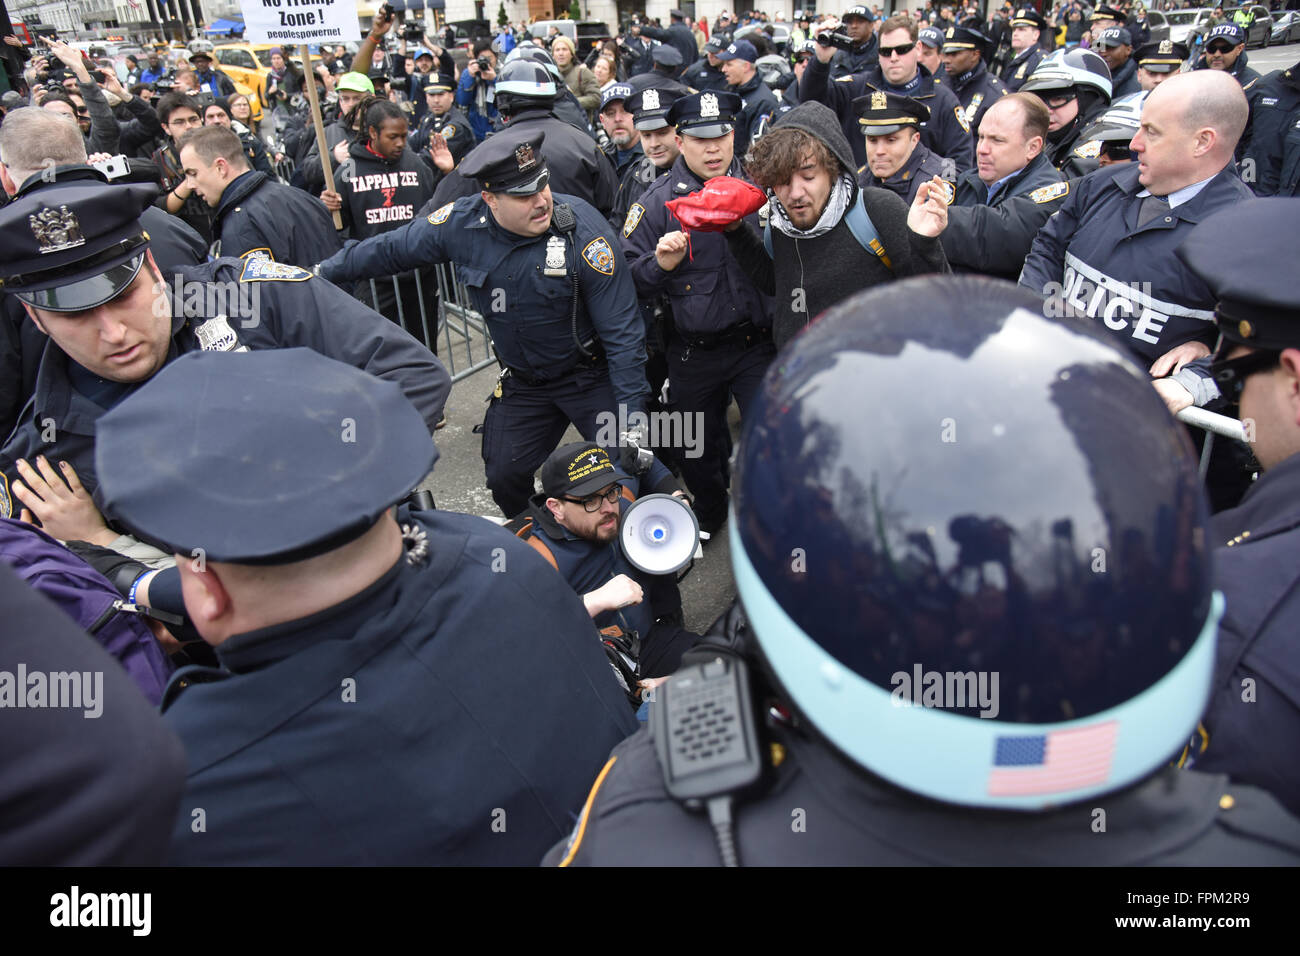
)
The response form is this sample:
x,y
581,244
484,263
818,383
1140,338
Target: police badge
x,y
1166,47
709,106
878,101
216,335
650,100
524,158
555,265
56,229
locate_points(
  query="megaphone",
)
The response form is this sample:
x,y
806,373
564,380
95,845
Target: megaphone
x,y
659,534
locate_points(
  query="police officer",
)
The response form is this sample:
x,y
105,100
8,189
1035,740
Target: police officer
x,y
649,108
929,41
665,64
677,37
896,159
254,212
1104,17
721,341
1010,159
1158,61
1225,50
355,643
1115,46
758,102
444,119
977,89
946,133
922,579
41,149
546,276
863,53
1075,86
576,522
525,97
79,260
566,105
624,147
1274,149
1252,723
1026,27
706,73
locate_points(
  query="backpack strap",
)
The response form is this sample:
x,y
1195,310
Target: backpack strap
x,y
522,528
859,223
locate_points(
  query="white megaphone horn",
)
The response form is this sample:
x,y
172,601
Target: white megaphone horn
x,y
659,534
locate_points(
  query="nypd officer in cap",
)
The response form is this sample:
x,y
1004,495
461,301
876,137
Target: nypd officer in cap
x,y
649,108
1156,62
977,89
424,692
849,745
1252,724
78,259
1026,27
546,274
443,119
721,340
897,160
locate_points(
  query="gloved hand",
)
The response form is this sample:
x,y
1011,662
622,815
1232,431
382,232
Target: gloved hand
x,y
120,570
723,201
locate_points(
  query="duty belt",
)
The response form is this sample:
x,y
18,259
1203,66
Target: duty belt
x,y
745,334
597,360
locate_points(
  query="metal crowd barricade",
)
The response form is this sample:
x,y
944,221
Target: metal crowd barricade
x,y
446,316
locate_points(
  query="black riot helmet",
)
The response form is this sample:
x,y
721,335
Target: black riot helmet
x,y
970,542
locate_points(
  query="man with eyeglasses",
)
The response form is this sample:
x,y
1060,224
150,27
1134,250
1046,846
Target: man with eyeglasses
x,y
1252,723
946,133
576,519
179,113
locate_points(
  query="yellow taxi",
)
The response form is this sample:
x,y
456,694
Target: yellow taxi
x,y
248,64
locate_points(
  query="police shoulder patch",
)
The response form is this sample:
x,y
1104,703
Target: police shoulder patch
x,y
6,503
1047,193
599,256
961,117
439,215
448,132
262,269
259,251
949,192
633,219
1090,150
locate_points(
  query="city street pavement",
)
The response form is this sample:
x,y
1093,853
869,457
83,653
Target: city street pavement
x,y
457,485
1274,58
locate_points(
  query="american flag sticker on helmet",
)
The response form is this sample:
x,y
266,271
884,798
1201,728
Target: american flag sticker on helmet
x,y
1053,763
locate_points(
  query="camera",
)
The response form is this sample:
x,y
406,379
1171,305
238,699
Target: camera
x,y
483,64
840,41
387,12
412,31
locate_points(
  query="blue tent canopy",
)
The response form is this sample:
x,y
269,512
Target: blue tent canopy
x,y
224,27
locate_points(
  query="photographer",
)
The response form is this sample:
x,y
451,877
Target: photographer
x,y
476,93
284,81
92,114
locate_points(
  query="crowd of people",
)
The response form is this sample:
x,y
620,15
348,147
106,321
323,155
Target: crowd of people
x,y
959,270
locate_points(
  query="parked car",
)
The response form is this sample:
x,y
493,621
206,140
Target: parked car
x,y
1186,26
1286,28
249,64
780,34
1157,26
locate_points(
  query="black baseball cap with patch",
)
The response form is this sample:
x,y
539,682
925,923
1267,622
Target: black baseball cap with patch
x,y
509,162
860,11
71,247
880,113
1114,36
577,470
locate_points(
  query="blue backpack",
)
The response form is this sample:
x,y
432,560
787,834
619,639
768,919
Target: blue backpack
x,y
86,596
859,223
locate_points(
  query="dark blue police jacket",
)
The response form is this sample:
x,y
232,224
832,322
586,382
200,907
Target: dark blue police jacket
x,y
946,133
258,214
1254,729
971,190
454,712
209,304
528,312
1125,276
709,291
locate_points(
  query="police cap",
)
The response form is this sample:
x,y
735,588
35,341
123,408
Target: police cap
x,y
1104,12
706,115
1029,17
1165,56
931,37
264,457
1256,304
615,91
664,55
880,113
739,50
860,11
73,246
649,107
440,84
1114,36
963,38
509,162
578,469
